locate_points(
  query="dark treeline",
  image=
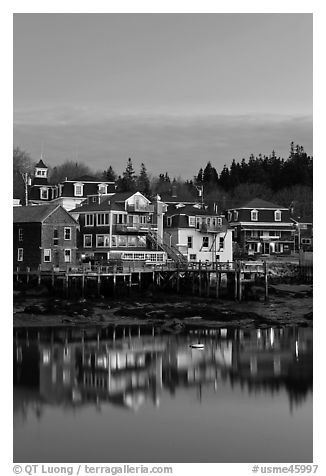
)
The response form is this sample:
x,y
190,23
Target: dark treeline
x,y
287,182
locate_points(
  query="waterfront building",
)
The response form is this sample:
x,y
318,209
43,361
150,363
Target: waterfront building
x,y
303,233
124,226
198,233
44,237
262,228
68,193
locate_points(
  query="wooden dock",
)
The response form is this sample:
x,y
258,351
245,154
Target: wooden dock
x,y
201,279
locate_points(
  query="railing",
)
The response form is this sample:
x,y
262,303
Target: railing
x,y
140,208
134,227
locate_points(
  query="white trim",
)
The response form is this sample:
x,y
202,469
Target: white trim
x,y
81,185
92,215
84,245
20,254
64,233
261,223
279,214
106,220
47,255
65,256
44,189
254,213
20,234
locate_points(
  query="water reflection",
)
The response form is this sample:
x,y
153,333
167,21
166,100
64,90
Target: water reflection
x,y
130,367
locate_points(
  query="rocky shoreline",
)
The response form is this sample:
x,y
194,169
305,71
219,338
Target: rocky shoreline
x,y
288,305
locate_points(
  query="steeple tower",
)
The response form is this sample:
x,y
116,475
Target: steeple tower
x,y
41,170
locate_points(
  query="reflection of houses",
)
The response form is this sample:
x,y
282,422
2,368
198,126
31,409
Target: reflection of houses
x,y
199,234
262,227
117,227
131,371
44,237
69,193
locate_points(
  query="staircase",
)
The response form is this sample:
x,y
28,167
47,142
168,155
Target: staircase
x,y
172,252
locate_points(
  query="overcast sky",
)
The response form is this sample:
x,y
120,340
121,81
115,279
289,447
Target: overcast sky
x,y
170,90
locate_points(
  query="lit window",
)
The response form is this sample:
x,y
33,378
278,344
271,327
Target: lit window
x,y
20,254
102,188
87,241
67,256
192,221
20,234
254,215
67,233
47,256
236,215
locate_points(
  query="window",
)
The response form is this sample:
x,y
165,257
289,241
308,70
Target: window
x,y
102,219
306,241
277,215
87,241
236,215
205,241
102,188
120,219
20,254
143,219
102,241
189,241
44,193
20,234
197,223
254,215
78,189
192,221
192,257
67,255
229,216
47,256
89,219
219,221
221,244
67,233
55,237
169,221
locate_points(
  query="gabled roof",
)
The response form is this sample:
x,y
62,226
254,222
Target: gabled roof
x,y
41,165
259,203
113,202
33,213
302,219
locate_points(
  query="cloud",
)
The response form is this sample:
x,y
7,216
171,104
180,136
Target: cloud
x,y
179,144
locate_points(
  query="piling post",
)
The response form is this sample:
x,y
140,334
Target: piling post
x,y
17,275
114,283
218,277
178,278
27,276
193,281
208,274
39,275
52,277
66,283
236,281
83,283
240,285
266,281
139,280
98,284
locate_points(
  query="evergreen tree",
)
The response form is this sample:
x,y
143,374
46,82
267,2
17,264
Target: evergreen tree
x,y
143,184
110,175
127,183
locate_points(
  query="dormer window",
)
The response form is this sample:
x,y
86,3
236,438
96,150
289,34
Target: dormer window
x,y
236,215
219,221
102,188
78,189
192,221
277,215
229,216
254,215
169,221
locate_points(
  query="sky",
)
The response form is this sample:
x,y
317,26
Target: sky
x,y
171,90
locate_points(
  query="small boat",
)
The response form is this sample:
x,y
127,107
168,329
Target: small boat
x,y
197,346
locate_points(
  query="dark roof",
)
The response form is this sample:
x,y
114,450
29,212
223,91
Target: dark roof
x,y
40,181
121,196
259,203
108,203
41,164
190,210
33,213
180,198
87,178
